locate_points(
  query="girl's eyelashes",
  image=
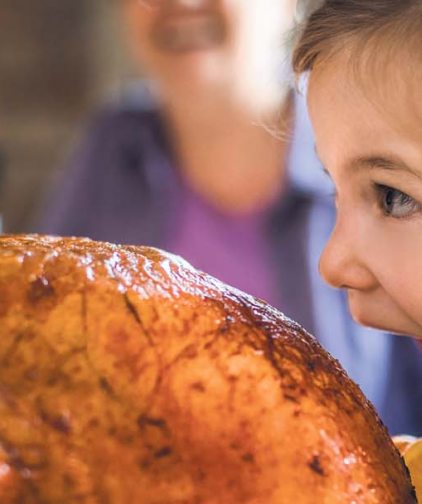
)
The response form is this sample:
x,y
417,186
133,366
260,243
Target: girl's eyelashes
x,y
395,203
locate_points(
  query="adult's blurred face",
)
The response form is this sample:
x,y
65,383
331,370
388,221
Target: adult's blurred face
x,y
223,40
183,26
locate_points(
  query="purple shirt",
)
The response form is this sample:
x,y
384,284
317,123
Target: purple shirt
x,y
234,249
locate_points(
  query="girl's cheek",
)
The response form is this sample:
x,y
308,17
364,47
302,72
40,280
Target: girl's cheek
x,y
382,248
396,257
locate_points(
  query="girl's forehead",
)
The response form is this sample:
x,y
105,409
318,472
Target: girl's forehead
x,y
392,83
381,77
359,115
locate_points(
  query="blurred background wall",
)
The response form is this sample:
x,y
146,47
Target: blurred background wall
x,y
59,59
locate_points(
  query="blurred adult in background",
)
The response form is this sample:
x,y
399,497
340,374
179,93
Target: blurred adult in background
x,y
189,163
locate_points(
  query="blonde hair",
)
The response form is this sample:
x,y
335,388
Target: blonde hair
x,y
338,22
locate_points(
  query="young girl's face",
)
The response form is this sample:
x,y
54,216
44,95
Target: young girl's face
x,y
370,142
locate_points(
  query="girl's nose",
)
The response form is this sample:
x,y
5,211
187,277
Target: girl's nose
x,y
343,262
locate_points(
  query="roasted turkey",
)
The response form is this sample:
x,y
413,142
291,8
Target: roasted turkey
x,y
129,377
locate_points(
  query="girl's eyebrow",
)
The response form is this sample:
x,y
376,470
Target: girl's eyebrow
x,y
383,162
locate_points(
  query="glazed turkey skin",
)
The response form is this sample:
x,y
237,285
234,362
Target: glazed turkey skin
x,y
129,377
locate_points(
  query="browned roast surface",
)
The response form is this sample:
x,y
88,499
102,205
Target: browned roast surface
x,y
128,377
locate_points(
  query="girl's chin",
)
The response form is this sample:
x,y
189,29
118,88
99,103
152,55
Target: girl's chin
x,y
384,316
410,330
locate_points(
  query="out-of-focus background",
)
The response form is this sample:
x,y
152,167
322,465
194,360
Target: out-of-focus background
x,y
59,60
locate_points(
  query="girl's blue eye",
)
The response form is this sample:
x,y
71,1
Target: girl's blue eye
x,y
395,203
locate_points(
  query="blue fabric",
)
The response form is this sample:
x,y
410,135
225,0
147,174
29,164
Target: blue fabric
x,y
121,186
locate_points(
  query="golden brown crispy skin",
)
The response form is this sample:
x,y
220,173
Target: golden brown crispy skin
x,y
128,377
